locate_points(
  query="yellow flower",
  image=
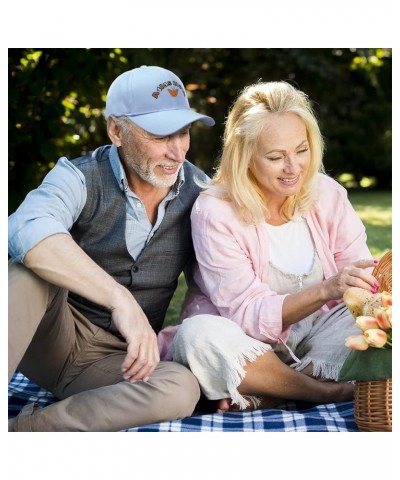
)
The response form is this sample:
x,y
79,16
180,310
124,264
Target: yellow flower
x,y
357,342
364,322
376,337
386,299
384,317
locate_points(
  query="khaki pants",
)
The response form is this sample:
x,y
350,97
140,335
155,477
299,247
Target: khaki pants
x,y
56,347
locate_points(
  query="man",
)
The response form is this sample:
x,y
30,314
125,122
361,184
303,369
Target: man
x,y
96,253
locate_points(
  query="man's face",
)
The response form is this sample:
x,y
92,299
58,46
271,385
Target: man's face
x,y
155,160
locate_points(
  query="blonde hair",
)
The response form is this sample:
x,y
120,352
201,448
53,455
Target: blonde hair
x,y
242,129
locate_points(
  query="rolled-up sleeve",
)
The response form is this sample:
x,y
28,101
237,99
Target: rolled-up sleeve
x,y
51,208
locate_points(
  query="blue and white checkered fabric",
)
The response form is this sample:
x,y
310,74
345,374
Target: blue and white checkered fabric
x,y
333,417
338,417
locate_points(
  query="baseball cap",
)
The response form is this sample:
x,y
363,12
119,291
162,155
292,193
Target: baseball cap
x,y
154,99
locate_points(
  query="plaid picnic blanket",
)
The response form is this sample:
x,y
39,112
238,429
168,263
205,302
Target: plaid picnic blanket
x,y
291,417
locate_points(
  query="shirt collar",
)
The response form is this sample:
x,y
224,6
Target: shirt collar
x,y
119,173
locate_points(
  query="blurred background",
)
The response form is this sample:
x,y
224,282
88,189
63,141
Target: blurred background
x,y
57,99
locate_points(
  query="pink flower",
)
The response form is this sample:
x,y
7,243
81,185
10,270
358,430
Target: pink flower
x,y
384,317
364,322
357,342
386,299
376,337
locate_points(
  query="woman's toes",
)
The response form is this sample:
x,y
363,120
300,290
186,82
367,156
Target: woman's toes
x,y
223,405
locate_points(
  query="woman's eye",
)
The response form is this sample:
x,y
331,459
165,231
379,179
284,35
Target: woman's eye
x,y
303,150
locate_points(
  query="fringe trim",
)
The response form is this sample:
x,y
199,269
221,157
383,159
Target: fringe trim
x,y
237,374
328,371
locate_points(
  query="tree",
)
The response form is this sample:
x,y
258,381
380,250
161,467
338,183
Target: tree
x,y
57,98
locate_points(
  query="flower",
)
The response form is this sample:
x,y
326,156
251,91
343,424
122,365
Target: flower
x,y
384,317
373,314
386,299
376,337
370,357
357,342
364,322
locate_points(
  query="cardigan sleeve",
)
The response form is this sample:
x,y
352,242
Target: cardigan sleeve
x,y
338,226
229,264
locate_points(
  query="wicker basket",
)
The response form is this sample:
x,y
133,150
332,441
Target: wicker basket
x,y
383,273
373,406
373,400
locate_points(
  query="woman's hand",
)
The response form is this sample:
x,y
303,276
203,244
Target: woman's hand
x,y
352,275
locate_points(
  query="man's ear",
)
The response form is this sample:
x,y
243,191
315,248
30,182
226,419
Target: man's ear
x,y
114,131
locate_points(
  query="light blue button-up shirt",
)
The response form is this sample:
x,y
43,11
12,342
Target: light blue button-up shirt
x,y
57,203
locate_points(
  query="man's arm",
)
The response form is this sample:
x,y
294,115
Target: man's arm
x,y
60,261
51,208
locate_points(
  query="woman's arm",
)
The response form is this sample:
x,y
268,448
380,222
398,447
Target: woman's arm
x,y
231,261
299,305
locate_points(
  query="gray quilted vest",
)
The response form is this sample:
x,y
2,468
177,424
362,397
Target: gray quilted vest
x,y
100,232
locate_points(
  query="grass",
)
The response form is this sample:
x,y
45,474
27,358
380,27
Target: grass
x,y
373,207
375,210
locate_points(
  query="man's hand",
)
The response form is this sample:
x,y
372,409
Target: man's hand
x,y
59,260
142,353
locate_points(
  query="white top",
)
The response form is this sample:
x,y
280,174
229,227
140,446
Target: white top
x,y
291,247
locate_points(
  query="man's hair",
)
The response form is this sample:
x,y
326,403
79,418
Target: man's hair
x,y
123,123
242,129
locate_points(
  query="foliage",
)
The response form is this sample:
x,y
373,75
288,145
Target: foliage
x,y
57,97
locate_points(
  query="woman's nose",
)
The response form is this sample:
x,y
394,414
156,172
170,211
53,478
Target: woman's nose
x,y
290,164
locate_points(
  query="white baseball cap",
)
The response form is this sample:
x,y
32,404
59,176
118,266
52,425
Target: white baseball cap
x,y
154,99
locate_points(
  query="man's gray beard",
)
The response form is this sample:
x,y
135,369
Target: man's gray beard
x,y
149,176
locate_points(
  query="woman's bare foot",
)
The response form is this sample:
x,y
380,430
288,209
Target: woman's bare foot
x,y
339,392
335,391
274,383
226,405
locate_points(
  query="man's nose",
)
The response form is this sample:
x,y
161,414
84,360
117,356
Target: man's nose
x,y
175,148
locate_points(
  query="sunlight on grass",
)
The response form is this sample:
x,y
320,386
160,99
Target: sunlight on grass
x,y
375,215
375,210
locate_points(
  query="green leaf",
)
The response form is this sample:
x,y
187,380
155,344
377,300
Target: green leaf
x,y
367,365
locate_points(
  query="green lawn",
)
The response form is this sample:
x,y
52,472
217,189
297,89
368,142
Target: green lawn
x,y
374,209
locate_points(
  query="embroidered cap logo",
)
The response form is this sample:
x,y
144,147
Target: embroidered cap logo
x,y
172,91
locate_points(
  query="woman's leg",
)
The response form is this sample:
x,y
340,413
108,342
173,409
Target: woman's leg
x,y
269,378
235,368
274,382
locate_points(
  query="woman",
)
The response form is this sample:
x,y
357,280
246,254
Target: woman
x,y
277,243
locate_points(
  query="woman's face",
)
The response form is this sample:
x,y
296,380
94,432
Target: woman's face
x,y
282,157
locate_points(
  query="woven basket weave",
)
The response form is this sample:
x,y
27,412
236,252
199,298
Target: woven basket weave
x,y
373,400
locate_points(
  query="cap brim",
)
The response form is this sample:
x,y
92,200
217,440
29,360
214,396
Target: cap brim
x,y
169,122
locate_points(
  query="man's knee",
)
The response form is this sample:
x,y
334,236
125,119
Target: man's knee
x,y
189,384
182,390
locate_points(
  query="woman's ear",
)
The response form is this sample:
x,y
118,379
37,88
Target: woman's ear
x,y
114,131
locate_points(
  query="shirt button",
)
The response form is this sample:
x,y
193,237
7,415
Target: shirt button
x,y
138,204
